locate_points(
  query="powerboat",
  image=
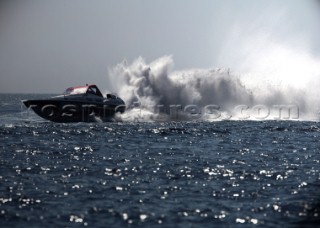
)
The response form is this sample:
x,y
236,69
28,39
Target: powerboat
x,y
78,104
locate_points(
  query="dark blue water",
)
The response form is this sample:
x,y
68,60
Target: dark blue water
x,y
170,174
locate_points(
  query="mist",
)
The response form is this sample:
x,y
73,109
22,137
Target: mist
x,y
271,63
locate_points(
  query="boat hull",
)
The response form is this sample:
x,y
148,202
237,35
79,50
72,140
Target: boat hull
x,y
73,111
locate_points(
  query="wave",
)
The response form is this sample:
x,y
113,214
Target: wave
x,y
155,91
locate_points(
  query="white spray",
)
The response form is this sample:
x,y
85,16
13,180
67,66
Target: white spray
x,y
155,92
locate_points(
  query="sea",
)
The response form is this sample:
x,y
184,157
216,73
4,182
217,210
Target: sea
x,y
228,173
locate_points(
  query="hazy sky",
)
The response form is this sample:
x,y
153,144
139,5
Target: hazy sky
x,y
46,46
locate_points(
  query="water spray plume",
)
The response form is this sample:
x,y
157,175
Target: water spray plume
x,y
153,89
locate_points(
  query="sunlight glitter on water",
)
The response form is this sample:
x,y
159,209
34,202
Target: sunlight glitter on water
x,y
133,174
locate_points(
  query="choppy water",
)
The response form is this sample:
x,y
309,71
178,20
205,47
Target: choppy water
x,y
170,174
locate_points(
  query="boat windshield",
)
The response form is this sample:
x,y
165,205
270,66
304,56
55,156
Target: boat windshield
x,y
75,90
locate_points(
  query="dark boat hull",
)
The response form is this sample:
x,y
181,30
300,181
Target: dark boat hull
x,y
72,111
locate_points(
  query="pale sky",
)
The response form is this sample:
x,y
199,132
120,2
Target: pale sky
x,y
47,46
